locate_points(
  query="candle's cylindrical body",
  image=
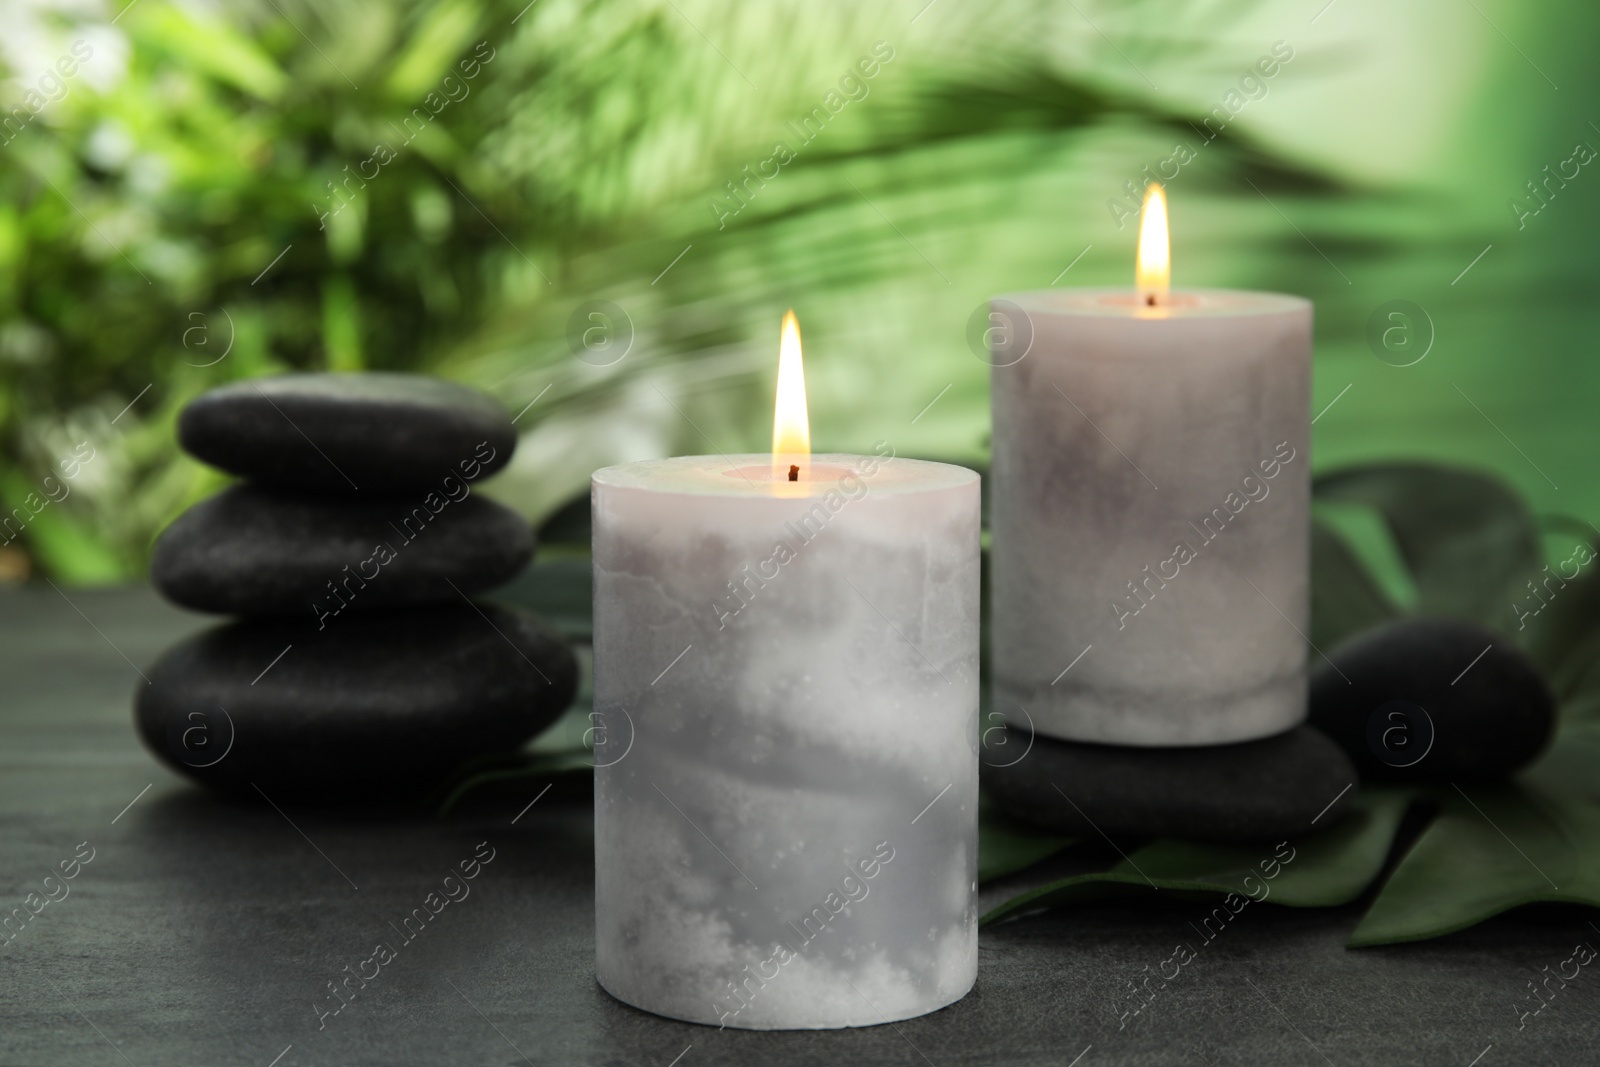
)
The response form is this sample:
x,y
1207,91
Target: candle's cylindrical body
x,y
786,739
1150,516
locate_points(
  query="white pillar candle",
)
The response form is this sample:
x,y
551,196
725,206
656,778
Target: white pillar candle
x,y
1150,514
786,759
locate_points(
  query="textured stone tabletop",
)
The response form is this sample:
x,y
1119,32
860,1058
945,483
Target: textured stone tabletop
x,y
207,932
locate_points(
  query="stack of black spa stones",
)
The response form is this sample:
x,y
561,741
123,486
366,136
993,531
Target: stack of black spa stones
x,y
360,667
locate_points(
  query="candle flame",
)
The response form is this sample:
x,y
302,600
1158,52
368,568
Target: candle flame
x,y
791,425
1153,272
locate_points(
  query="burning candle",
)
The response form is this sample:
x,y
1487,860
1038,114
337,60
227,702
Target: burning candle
x,y
786,665
1151,502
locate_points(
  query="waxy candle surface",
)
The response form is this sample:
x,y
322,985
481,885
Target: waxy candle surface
x,y
1150,516
786,760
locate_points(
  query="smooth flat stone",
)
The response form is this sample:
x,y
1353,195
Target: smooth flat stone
x,y
1256,791
376,708
256,551
1434,701
344,433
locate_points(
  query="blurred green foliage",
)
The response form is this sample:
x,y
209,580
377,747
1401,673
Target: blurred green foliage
x,y
442,185
210,202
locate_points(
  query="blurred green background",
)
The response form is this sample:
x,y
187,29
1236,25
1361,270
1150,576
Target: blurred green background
x,y
218,191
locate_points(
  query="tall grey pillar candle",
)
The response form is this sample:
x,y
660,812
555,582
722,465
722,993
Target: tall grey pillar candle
x,y
1150,515
786,739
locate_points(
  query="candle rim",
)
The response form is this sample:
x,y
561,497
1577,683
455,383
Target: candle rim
x,y
1214,303
887,477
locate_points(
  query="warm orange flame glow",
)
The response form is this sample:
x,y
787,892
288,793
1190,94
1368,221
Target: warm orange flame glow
x,y
791,425
1153,273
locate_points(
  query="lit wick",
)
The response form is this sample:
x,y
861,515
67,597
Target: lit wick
x,y
791,426
1153,269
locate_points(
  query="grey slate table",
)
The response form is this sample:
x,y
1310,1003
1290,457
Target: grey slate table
x,y
206,932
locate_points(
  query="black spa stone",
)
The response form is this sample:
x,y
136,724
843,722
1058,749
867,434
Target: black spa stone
x,y
1255,791
1434,701
256,551
377,708
346,433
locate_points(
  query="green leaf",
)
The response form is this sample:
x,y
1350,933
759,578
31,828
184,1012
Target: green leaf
x,y
569,525
1467,539
1366,536
67,545
341,324
219,50
1344,598
522,770
1498,847
576,727
1577,685
1562,620
1006,846
1327,868
434,49
560,591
